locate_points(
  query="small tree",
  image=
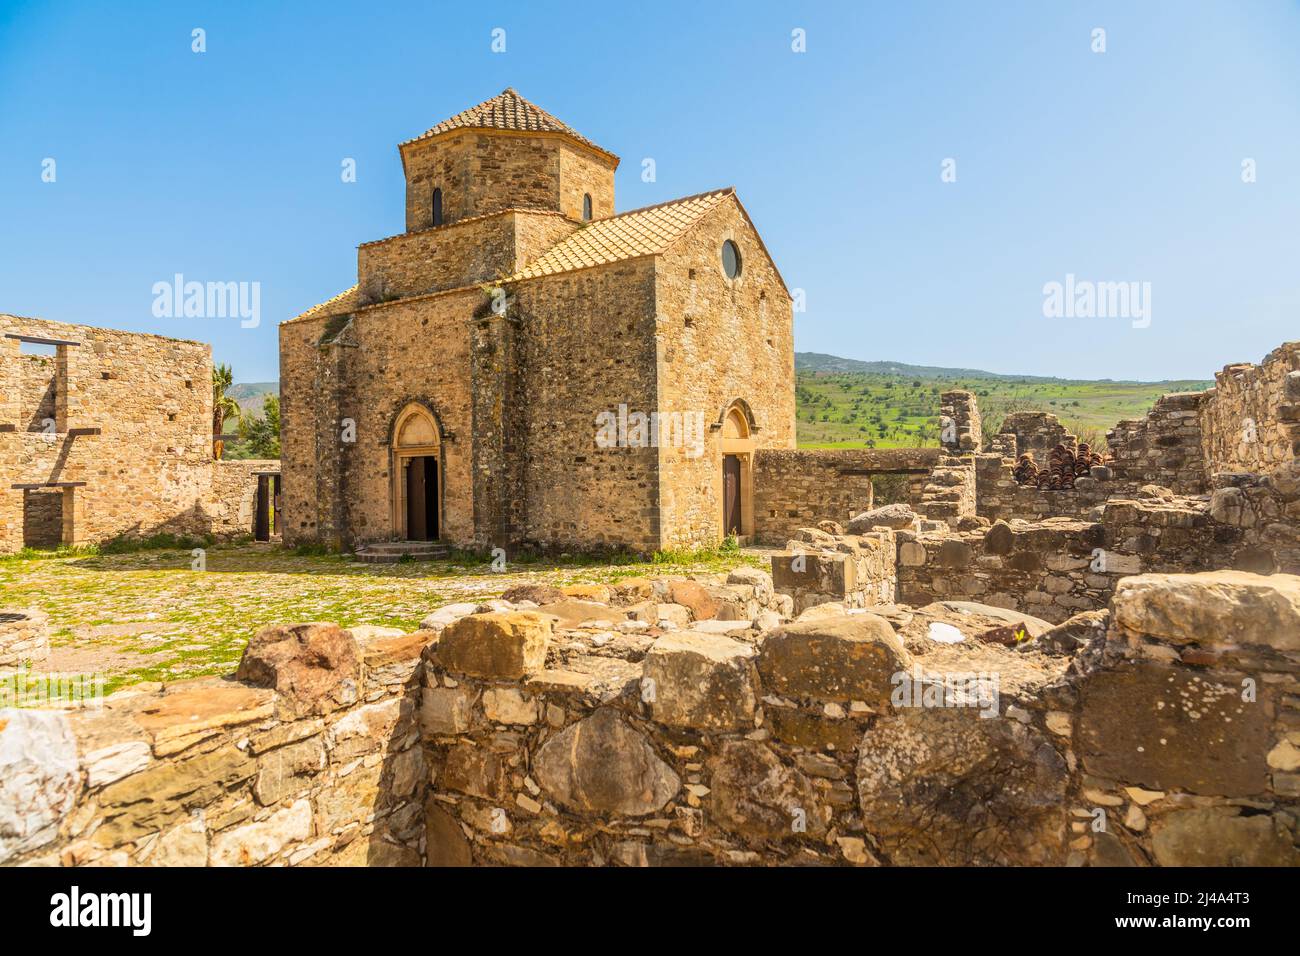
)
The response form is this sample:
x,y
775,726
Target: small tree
x,y
223,406
260,437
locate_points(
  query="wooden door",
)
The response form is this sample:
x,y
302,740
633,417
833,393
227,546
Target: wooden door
x,y
417,512
731,494
262,510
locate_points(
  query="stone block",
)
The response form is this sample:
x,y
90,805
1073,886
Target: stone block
x,y
39,779
701,681
695,596
1212,609
509,705
501,645
947,787
1222,836
258,842
759,798
447,614
1173,727
314,668
851,657
896,516
445,711
603,765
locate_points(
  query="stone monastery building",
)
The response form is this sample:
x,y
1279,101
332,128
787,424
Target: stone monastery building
x,y
484,381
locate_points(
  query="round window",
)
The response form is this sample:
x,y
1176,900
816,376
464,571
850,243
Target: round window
x,y
730,259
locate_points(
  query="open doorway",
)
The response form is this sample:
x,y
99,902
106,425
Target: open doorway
x,y
266,507
422,498
731,505
417,475
736,444
43,517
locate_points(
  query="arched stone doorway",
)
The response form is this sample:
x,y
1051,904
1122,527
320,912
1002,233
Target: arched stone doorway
x,y
736,450
417,475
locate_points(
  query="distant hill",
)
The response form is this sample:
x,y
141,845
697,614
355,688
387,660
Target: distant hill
x,y
848,403
249,395
821,362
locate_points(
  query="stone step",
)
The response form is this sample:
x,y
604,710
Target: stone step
x,y
391,552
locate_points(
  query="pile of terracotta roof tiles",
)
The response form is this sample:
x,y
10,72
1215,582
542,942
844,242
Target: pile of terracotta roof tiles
x,y
1064,465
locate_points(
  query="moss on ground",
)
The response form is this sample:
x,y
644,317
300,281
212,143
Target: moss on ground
x,y
148,616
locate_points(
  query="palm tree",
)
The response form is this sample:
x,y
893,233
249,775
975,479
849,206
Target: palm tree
x,y
223,406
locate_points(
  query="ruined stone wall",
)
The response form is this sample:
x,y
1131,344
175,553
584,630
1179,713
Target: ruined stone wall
x,y
1045,569
1164,448
310,430
147,470
231,508
586,345
794,489
24,639
999,496
720,341
301,763
1162,731
950,491
37,395
1250,421
960,427
856,571
738,752
1036,433
1055,567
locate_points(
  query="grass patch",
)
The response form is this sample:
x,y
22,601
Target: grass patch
x,y
39,554
148,615
156,542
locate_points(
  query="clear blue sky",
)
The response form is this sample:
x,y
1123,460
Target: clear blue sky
x,y
1118,166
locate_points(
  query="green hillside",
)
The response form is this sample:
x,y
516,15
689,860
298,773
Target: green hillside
x,y
845,403
249,395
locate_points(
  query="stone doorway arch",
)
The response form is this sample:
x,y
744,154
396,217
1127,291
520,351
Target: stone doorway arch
x,y
417,470
736,445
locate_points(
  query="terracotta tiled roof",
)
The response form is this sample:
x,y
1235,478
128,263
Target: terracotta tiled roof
x,y
641,232
345,301
508,111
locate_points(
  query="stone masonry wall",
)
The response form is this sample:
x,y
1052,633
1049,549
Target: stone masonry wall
x,y
797,488
131,453
704,748
590,731
234,495
1251,419
1056,567
311,759
959,422
483,171
999,496
1036,433
469,252
586,345
1164,448
719,341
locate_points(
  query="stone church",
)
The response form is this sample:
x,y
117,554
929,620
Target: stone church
x,y
524,365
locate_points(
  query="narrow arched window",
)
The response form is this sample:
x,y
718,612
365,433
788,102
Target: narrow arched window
x,y
437,206
586,207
